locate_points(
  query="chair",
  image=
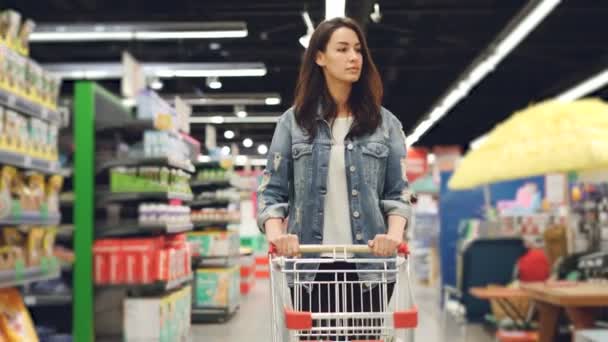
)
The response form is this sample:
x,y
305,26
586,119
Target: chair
x,y
482,262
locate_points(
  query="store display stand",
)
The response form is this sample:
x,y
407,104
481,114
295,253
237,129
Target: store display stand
x,y
97,113
209,313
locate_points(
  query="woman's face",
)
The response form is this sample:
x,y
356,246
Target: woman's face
x,y
342,59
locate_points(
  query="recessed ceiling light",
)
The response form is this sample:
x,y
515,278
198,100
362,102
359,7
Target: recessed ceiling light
x,y
247,142
229,134
262,149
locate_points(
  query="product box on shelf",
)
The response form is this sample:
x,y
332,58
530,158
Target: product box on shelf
x,y
150,106
158,319
217,287
141,260
15,322
223,243
108,265
247,263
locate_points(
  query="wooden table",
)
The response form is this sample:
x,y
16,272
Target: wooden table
x,y
503,296
580,300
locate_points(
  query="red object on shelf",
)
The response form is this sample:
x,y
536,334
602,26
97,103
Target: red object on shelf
x,y
516,336
261,260
141,260
107,260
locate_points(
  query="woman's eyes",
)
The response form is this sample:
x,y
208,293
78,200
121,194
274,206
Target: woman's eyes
x,y
345,49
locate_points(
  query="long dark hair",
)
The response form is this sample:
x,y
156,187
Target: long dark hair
x,y
311,90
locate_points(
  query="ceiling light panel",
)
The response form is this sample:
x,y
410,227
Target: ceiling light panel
x,y
104,70
66,33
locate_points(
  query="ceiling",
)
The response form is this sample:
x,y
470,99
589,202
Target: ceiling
x,y
420,47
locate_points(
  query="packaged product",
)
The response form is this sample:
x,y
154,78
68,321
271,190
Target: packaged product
x,y
33,79
215,243
36,193
1,123
54,83
53,189
48,242
12,126
53,134
20,72
15,321
10,22
24,35
12,68
9,257
11,236
34,246
4,63
217,287
7,174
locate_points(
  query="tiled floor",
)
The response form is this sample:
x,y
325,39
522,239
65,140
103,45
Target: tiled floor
x,y
252,322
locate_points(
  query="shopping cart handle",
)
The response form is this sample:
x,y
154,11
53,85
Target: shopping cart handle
x,y
402,249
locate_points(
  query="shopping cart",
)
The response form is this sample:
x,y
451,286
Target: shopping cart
x,y
353,308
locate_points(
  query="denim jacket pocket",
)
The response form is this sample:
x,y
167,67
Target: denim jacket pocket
x,y
374,156
302,166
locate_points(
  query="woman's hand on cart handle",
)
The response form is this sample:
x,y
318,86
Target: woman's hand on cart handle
x,y
285,245
385,245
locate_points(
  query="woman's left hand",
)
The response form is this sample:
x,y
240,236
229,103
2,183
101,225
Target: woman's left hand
x,y
384,245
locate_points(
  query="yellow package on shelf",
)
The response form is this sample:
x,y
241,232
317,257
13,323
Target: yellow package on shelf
x,y
15,321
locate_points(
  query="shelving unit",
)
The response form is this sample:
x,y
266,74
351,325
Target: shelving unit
x,y
18,277
134,228
25,161
33,300
108,197
157,287
222,265
144,161
100,115
27,144
28,107
32,219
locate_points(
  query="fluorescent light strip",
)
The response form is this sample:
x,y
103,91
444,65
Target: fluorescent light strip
x,y
494,55
37,37
152,35
144,31
219,120
103,70
586,87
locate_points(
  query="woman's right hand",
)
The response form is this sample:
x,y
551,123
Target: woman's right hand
x,y
286,245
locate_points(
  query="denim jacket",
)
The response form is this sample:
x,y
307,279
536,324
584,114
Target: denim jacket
x,y
295,181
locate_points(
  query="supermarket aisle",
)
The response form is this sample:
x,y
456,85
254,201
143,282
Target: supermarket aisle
x,y
251,323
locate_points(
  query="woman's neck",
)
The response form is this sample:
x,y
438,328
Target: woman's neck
x,y
340,92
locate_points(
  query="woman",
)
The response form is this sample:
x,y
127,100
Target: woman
x,y
336,165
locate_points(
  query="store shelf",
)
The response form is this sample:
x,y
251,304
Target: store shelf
x,y
134,228
209,203
27,162
47,299
34,219
160,161
11,278
213,314
214,261
218,224
125,124
153,288
214,184
25,106
109,197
